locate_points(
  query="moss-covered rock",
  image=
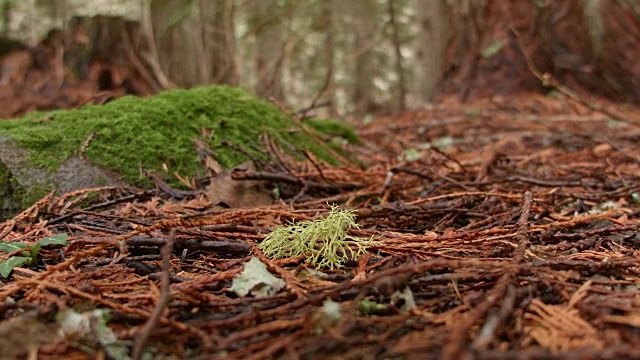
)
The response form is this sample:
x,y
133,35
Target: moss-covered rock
x,y
129,134
9,193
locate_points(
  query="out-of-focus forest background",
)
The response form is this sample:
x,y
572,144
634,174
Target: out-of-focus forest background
x,y
339,57
488,169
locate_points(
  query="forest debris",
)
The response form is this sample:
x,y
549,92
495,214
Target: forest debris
x,y
165,296
627,319
90,328
404,298
560,328
24,333
130,137
327,316
475,254
256,280
226,192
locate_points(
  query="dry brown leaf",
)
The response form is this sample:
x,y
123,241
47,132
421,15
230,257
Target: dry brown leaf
x,y
205,153
224,191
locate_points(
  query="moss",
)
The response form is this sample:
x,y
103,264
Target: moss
x,y
335,128
8,194
89,198
131,133
34,195
13,197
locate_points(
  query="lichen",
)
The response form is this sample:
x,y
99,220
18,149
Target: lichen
x,y
130,134
325,242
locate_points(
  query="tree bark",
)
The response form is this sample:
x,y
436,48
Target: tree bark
x,y
174,40
222,48
6,18
270,47
433,36
397,47
327,89
199,30
364,14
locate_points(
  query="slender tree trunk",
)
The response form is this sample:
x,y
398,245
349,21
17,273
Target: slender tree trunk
x,y
364,14
223,49
176,41
327,90
269,55
6,18
215,46
433,19
195,40
399,67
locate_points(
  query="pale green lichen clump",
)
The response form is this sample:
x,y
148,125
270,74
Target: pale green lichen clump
x,y
324,242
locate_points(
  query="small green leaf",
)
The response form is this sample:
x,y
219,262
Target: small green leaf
x,y
554,94
369,307
411,155
11,263
443,142
34,249
492,49
473,112
59,239
12,246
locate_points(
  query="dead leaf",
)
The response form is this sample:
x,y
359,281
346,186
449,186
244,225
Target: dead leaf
x,y
206,155
255,279
226,192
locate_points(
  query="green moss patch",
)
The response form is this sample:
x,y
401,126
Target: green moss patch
x,y
334,128
130,133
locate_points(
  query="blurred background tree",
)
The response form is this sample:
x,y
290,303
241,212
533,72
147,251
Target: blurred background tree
x,y
348,57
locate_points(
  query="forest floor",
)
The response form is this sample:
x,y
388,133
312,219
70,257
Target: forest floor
x,y
503,229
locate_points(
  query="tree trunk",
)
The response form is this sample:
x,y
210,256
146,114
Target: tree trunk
x,y
175,40
269,54
364,14
6,18
397,47
198,30
327,91
433,20
222,47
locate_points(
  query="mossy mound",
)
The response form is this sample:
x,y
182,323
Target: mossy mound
x,y
132,133
157,134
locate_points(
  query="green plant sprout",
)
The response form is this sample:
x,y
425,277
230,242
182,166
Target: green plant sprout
x,y
324,242
29,255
